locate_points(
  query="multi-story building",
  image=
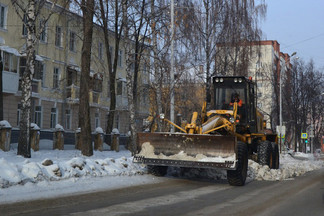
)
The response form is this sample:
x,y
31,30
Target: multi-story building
x,y
56,82
265,63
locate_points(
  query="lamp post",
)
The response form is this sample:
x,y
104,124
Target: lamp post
x,y
280,105
172,67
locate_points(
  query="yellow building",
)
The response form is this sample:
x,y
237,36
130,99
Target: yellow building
x,y
56,83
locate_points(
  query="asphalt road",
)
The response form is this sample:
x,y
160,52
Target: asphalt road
x,y
175,196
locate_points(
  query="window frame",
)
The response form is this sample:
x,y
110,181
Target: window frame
x,y
53,121
72,41
58,36
100,50
38,116
68,119
56,77
43,34
120,58
3,16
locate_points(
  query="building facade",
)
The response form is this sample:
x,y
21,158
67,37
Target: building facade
x,y
56,82
265,63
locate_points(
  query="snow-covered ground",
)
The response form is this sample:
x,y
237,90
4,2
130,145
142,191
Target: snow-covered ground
x,y
52,173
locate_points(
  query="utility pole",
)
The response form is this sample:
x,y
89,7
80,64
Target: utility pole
x,y
172,68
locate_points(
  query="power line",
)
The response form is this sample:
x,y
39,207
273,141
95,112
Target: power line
x,y
302,41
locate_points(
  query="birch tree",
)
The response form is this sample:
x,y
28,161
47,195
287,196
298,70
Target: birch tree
x,y
30,9
129,75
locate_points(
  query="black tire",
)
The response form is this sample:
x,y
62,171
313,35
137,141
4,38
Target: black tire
x,y
275,156
265,154
157,170
237,177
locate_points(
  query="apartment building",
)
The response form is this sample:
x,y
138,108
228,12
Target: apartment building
x,y
56,83
265,64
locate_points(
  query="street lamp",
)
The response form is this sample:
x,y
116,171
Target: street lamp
x,y
280,105
172,67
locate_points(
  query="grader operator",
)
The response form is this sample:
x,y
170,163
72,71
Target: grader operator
x,y
224,137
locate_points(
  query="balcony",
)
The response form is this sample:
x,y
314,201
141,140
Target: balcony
x,y
10,82
72,93
94,97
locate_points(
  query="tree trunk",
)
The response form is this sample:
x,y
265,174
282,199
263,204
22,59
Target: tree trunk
x,y
24,135
129,79
84,112
157,74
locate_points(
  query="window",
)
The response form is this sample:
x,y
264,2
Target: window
x,y
10,62
24,29
56,75
58,36
43,35
72,41
38,116
18,114
100,50
3,16
119,88
120,58
39,70
111,50
97,120
68,119
53,118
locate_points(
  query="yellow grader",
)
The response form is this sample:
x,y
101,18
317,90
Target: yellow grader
x,y
224,137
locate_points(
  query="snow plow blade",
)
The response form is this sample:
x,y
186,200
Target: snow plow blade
x,y
186,150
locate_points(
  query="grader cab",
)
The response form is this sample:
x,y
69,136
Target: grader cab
x,y
224,137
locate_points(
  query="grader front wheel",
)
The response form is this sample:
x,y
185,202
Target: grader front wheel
x,y
237,177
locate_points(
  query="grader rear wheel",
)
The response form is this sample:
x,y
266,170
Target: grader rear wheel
x,y
265,154
275,155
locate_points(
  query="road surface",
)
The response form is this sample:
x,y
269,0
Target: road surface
x,y
175,196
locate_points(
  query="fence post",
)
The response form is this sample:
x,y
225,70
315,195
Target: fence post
x,y
5,135
58,137
115,140
98,142
34,136
77,139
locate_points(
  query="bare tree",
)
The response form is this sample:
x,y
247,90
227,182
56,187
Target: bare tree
x,y
114,21
29,11
87,7
303,102
129,75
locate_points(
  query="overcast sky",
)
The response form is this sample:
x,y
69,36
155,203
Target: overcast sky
x,y
298,26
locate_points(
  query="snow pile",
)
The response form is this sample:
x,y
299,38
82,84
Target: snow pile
x,y
290,167
55,165
49,165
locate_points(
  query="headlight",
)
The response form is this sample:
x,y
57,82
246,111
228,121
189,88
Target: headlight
x,y
240,80
221,80
231,119
216,80
235,79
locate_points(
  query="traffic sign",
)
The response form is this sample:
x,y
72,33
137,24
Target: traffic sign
x,y
304,135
